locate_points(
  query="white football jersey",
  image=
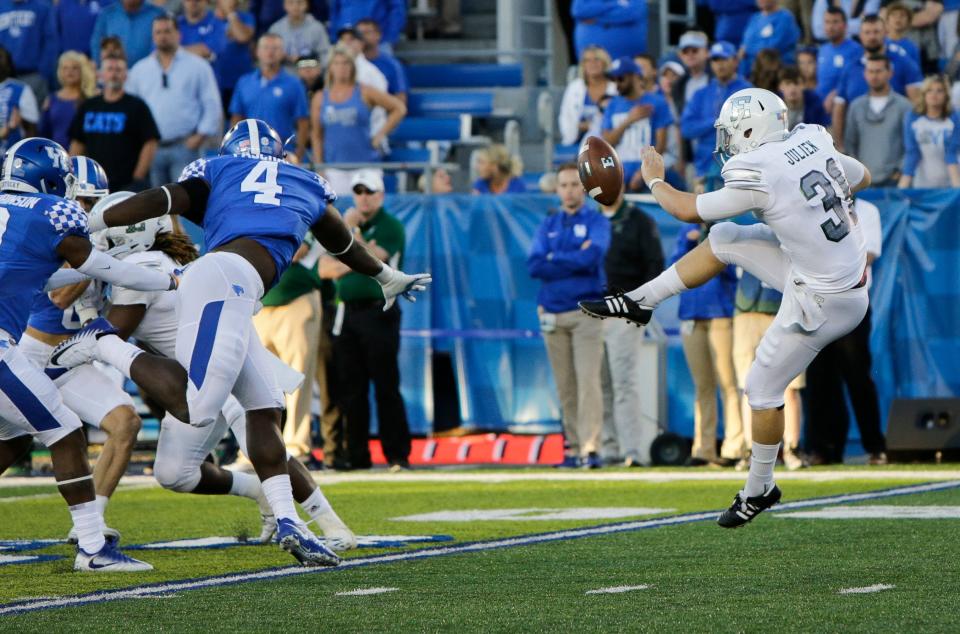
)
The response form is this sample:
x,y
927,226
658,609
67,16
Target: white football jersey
x,y
808,207
159,326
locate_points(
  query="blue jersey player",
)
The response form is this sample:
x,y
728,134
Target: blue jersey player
x,y
39,231
255,210
86,390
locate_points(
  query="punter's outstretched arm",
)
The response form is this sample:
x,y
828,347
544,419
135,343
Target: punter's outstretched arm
x,y
739,196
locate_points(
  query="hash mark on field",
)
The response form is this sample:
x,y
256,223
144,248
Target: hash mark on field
x,y
618,589
877,587
360,592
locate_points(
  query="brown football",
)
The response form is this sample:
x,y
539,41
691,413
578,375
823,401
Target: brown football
x,y
601,172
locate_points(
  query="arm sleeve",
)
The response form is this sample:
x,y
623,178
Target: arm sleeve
x,y
853,169
911,154
63,277
101,266
729,202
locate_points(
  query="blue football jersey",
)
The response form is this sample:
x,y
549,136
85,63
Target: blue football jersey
x,y
267,200
31,228
46,317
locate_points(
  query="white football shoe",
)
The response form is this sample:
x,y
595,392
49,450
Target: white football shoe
x,y
109,559
268,527
82,347
336,534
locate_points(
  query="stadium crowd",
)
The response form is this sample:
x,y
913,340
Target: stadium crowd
x,y
146,87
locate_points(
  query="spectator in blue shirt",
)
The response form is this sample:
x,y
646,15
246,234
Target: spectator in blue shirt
x,y
772,27
75,21
181,91
635,118
390,15
732,17
803,104
700,113
132,22
619,26
706,327
28,30
838,52
498,171
221,37
78,81
568,255
389,65
906,78
273,94
931,137
897,18
18,105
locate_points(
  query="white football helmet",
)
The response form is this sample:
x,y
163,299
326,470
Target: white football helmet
x,y
122,241
748,119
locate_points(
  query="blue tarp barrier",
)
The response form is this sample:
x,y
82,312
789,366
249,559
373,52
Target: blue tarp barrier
x,y
482,308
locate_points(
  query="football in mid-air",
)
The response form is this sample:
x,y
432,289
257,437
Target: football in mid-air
x,y
601,172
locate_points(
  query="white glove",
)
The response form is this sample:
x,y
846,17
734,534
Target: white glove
x,y
89,304
395,283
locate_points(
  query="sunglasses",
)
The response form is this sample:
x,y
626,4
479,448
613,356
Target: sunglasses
x,y
363,191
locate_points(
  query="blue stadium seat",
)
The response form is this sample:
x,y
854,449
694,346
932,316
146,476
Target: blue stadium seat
x,y
420,104
409,155
564,153
464,75
427,129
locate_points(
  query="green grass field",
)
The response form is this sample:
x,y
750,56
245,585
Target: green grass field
x,y
777,574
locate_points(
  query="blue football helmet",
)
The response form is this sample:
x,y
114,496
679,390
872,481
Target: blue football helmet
x,y
90,181
254,138
37,165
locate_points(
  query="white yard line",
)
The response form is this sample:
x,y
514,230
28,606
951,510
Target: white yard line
x,y
617,589
878,587
163,588
362,592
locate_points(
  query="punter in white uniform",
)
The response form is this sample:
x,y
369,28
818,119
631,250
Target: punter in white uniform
x,y
182,448
808,246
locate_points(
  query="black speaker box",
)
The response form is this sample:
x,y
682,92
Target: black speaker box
x,y
924,428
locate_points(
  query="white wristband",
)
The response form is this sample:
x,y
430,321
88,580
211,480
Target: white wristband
x,y
169,197
653,182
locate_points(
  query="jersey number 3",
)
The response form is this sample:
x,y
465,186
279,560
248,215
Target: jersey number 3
x,y
263,180
835,229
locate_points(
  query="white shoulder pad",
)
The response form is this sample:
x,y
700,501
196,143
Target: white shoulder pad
x,y
741,173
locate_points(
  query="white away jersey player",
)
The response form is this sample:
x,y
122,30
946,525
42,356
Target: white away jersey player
x,y
31,228
808,205
245,202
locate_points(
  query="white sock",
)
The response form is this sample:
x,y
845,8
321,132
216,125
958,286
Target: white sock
x,y
316,504
115,351
279,494
760,476
88,523
102,504
665,285
248,485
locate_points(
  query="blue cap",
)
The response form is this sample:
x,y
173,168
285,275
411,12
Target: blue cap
x,y
623,66
723,50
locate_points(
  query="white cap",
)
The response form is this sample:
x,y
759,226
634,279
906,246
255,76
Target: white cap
x,y
369,178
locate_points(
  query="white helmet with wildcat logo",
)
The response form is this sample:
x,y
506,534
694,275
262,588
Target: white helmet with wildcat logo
x,y
122,241
748,119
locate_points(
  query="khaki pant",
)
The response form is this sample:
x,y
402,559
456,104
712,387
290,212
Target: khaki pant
x,y
708,347
575,348
291,332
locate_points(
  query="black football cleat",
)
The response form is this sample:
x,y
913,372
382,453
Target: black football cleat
x,y
744,510
620,306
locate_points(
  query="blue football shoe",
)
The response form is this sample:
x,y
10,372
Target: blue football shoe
x,y
303,544
109,559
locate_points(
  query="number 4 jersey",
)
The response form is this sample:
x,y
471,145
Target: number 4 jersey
x,y
808,205
266,200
